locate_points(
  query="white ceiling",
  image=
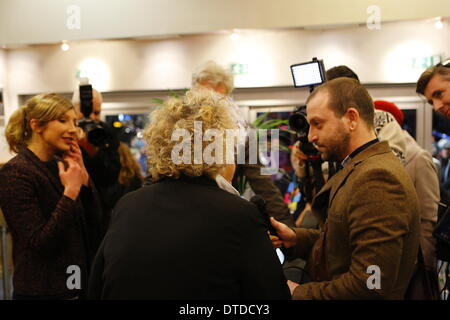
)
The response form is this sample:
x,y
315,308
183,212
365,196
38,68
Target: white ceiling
x,y
50,21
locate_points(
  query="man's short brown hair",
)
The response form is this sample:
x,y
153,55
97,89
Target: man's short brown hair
x,y
341,71
426,76
345,93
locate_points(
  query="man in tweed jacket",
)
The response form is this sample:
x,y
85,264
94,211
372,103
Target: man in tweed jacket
x,y
368,211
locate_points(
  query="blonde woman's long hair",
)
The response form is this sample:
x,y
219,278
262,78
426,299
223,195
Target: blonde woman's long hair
x,y
44,108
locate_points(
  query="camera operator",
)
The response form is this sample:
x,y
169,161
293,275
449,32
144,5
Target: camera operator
x,y
99,145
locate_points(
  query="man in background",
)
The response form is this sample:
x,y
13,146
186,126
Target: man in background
x,y
99,145
420,167
434,84
213,76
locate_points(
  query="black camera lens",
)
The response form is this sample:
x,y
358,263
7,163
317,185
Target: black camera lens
x,y
299,124
96,132
98,136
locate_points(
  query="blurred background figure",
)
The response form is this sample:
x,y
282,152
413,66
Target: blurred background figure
x,y
445,173
99,145
188,235
214,77
420,167
48,201
130,177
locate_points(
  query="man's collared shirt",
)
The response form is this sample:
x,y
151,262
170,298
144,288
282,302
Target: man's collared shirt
x,y
356,151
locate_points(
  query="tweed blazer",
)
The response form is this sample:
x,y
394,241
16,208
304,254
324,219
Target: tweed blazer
x,y
369,226
50,231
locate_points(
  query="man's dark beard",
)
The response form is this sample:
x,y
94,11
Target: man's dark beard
x,y
339,148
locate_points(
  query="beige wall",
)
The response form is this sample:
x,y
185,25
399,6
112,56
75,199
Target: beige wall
x,y
2,68
45,21
379,56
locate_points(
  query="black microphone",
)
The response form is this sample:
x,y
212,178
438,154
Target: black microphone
x,y
260,203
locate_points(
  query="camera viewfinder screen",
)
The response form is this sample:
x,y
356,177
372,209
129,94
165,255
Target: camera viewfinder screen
x,y
306,74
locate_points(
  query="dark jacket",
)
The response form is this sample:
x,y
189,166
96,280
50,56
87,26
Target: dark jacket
x,y
369,216
263,185
50,231
445,181
186,239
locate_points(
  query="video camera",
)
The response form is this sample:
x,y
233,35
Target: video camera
x,y
96,131
306,74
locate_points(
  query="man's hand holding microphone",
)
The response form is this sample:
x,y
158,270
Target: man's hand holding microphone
x,y
286,238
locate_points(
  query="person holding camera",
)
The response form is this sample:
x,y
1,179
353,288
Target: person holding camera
x,y
99,145
368,239
48,201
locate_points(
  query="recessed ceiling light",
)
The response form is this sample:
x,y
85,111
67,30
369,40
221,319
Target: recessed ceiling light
x,y
439,24
65,46
234,36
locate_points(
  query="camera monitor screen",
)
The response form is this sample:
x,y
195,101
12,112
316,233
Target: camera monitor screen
x,y
308,73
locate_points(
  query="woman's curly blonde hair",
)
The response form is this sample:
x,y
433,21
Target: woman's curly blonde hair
x,y
181,113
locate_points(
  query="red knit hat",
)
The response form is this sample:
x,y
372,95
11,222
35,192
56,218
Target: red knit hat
x,y
391,108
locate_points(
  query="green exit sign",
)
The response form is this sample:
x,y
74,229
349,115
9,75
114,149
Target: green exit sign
x,y
426,62
239,68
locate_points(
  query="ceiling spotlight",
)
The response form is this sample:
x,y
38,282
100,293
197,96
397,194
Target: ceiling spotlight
x,y
65,46
234,36
439,24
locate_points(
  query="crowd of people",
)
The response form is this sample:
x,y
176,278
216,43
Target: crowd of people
x,y
86,225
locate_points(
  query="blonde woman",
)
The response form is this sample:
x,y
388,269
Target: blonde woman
x,y
188,235
48,201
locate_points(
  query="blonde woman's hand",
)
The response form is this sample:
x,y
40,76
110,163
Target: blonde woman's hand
x,y
76,155
71,178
